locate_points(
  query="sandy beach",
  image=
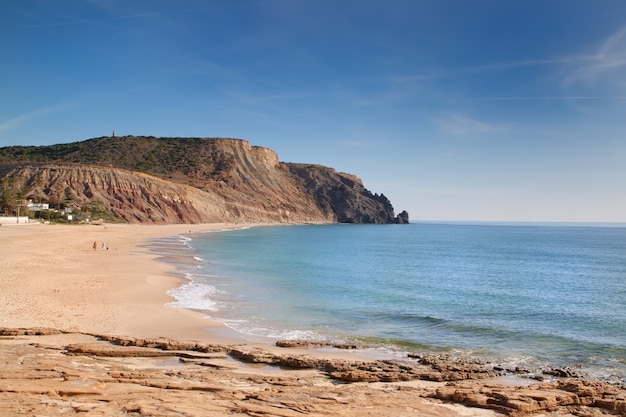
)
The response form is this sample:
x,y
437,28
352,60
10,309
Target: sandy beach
x,y
61,277
53,277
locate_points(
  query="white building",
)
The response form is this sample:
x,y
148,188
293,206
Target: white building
x,y
14,220
37,206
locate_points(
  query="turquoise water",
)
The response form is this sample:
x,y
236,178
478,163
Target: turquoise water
x,y
518,294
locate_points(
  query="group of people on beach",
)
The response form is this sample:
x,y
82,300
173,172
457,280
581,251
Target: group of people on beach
x,y
103,246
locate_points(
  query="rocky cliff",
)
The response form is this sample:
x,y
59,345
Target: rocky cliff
x,y
189,180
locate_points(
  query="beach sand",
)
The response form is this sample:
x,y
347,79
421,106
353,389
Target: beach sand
x,y
52,277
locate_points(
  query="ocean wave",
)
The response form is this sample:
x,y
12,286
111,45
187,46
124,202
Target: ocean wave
x,y
248,328
183,238
492,293
226,229
195,295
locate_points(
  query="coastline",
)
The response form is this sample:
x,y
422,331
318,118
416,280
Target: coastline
x,y
236,278
52,277
55,278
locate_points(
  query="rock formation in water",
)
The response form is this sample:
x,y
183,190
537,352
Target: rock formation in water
x,y
188,180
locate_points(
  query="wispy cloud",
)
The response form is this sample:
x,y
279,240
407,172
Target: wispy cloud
x,y
100,12
548,98
493,67
278,97
462,125
607,63
16,122
355,144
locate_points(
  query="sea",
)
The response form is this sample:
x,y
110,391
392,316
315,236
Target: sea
x,y
534,296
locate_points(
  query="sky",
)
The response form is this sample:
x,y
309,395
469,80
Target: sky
x,y
482,110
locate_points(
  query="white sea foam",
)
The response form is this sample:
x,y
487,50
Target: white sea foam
x,y
183,238
246,327
228,229
195,295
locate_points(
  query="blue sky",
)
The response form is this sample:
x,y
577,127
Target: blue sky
x,y
454,109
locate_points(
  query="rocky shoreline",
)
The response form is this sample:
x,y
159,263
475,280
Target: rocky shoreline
x,y
51,371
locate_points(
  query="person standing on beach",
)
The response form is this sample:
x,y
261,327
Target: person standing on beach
x,y
95,245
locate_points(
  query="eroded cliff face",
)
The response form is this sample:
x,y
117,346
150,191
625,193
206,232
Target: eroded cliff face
x,y
171,180
343,195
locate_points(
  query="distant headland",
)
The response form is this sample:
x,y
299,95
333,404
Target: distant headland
x,y
145,179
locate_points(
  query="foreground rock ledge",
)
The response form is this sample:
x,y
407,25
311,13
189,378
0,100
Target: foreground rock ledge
x,y
50,372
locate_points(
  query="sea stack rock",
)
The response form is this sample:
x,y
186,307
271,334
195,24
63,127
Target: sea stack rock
x,y
402,218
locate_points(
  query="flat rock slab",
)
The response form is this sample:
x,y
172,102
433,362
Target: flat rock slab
x,y
101,376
